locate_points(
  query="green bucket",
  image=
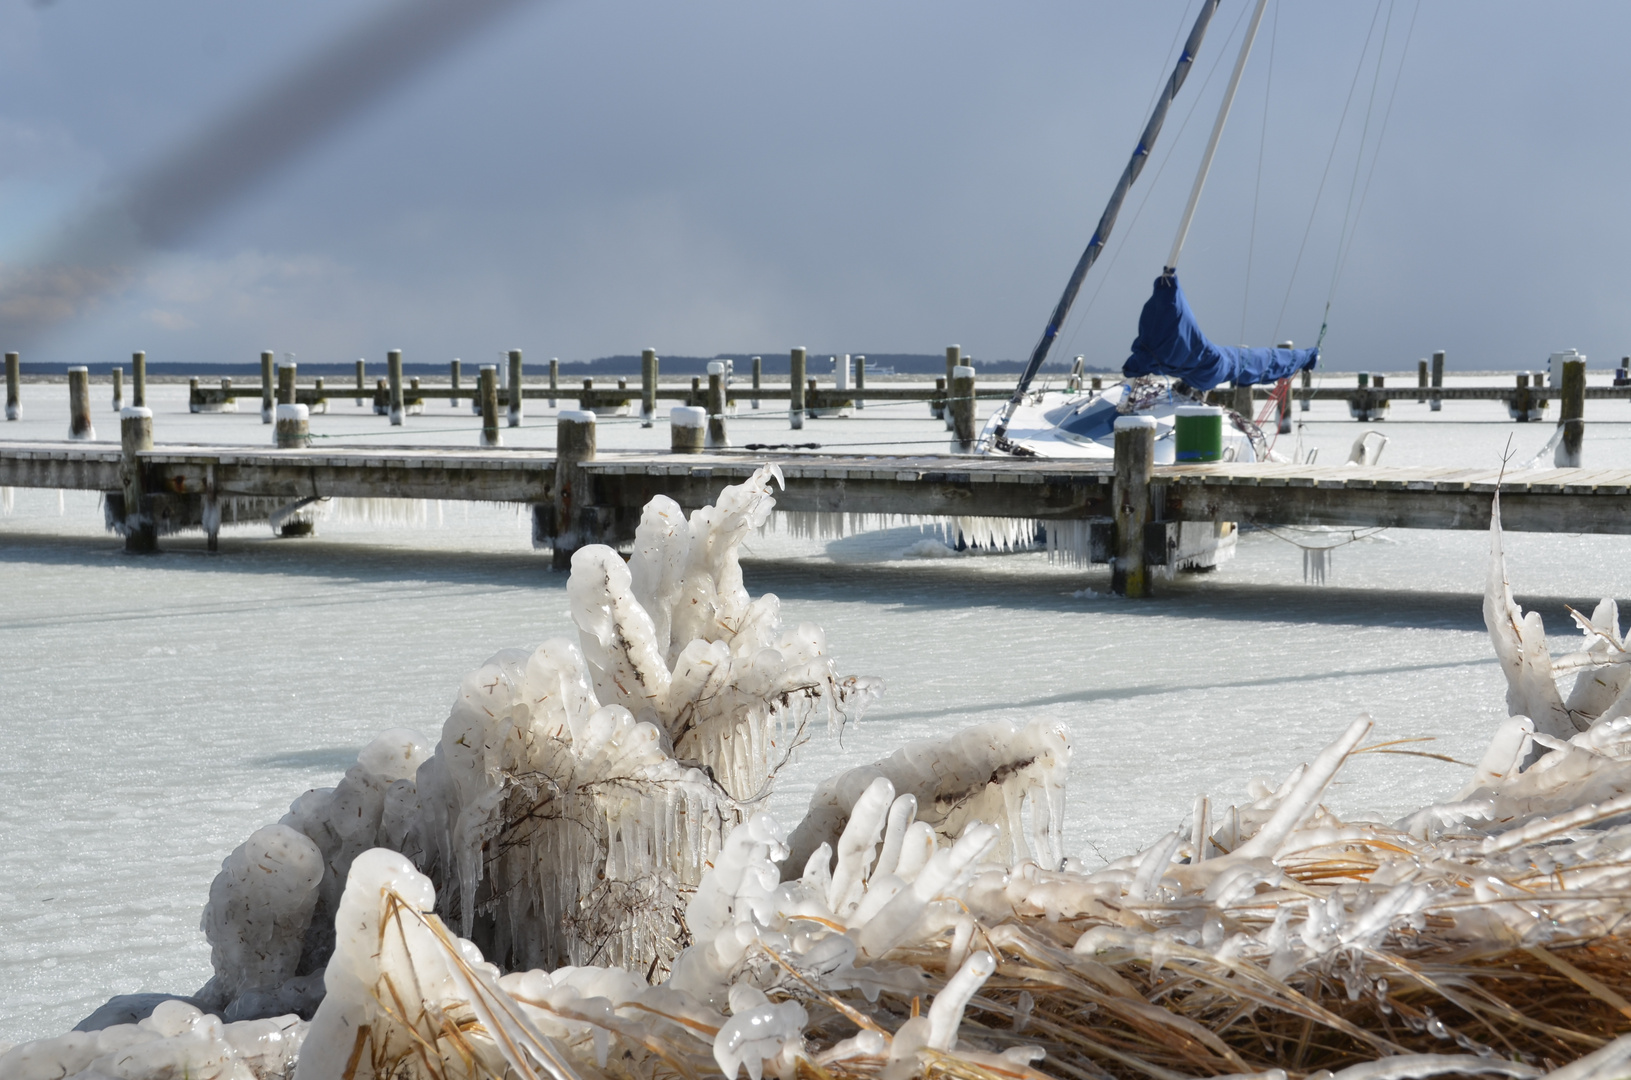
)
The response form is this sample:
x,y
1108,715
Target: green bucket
x,y
1198,433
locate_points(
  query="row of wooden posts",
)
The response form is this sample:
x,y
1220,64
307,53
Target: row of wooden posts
x,y
953,400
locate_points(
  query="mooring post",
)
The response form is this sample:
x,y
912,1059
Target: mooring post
x,y
1134,466
1572,415
14,386
515,388
648,387
1378,403
937,400
138,379
1436,404
136,435
118,374
488,399
285,383
964,409
211,511
1519,406
574,445
1359,404
1282,408
79,404
293,428
319,401
415,405
716,406
686,427
393,376
1421,382
1243,401
362,381
267,387
954,356
554,380
795,388
195,400
453,381
860,381
758,378
1308,390
382,398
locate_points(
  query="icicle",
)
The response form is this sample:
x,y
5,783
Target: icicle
x,y
1316,564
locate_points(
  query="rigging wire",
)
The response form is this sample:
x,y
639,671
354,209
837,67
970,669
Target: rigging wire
x,y
1343,235
1257,191
1077,318
1320,191
1381,134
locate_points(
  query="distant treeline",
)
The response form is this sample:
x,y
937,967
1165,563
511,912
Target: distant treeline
x,y
774,364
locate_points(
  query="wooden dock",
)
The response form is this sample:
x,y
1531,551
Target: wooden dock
x,y
598,497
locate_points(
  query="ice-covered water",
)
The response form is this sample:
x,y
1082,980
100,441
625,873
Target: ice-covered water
x,y
156,711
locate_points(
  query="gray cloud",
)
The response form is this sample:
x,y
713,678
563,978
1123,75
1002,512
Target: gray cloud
x,y
594,178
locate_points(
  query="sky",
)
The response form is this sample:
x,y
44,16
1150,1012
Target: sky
x,y
585,179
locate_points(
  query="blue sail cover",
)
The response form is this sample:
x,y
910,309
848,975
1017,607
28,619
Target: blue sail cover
x,y
1170,342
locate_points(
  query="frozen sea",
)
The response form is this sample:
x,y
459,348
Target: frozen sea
x,y
155,711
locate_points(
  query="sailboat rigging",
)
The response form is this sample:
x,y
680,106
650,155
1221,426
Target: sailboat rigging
x,y
1170,344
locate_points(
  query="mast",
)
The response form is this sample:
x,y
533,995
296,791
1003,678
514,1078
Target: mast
x,y
1217,133
1095,246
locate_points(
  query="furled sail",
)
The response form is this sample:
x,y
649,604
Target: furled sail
x,y
1170,342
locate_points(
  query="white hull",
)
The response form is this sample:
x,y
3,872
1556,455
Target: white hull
x,y
1081,424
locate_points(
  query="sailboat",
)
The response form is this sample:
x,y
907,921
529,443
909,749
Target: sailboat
x,y
1173,363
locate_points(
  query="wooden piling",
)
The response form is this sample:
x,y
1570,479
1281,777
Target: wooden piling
x,y
574,445
1572,415
1379,405
1095,383
1130,496
488,397
716,406
285,383
963,409
687,425
293,428
382,398
362,381
1241,402
195,400
1282,407
79,404
1436,404
937,398
554,380
860,381
118,374
795,388
1519,406
1421,382
319,403
648,387
14,386
136,435
413,404
138,379
758,378
393,378
267,387
515,388
954,357
1308,390
453,372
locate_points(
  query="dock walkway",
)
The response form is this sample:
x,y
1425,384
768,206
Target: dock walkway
x,y
598,497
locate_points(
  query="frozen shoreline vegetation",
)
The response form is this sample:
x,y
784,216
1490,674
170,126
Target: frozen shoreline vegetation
x,y
576,882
